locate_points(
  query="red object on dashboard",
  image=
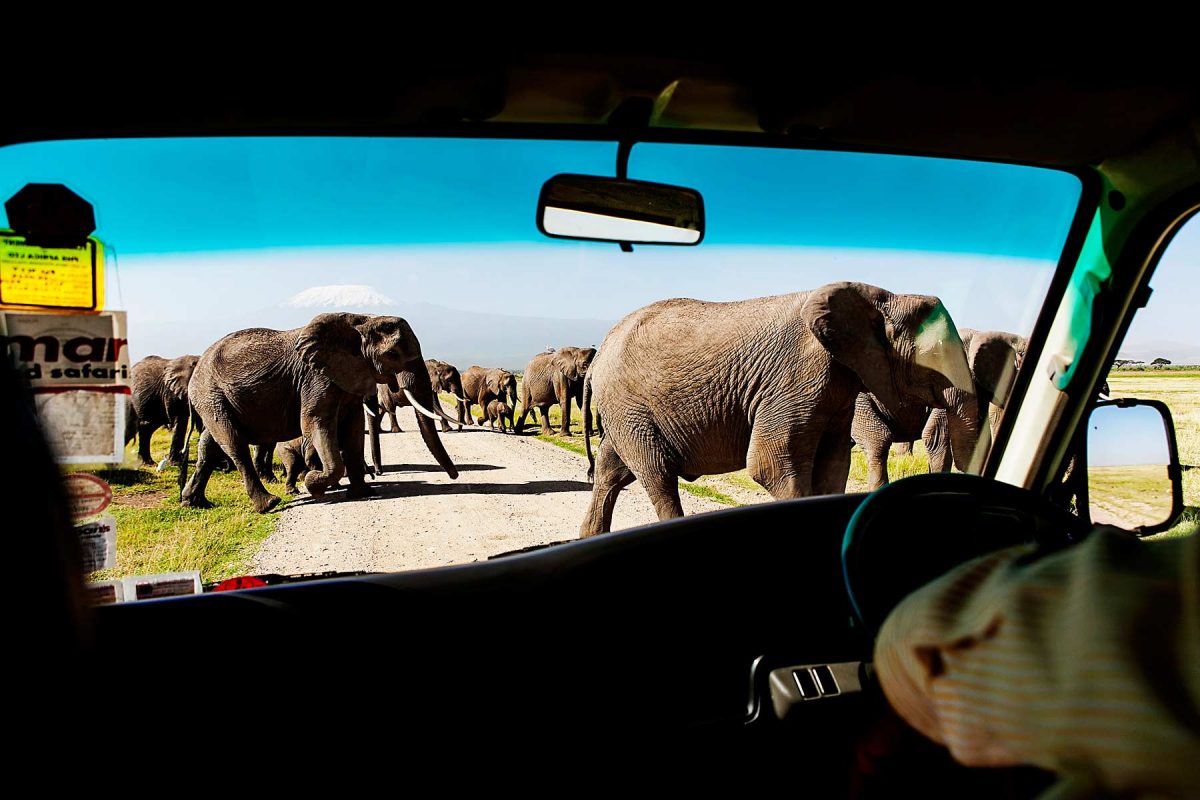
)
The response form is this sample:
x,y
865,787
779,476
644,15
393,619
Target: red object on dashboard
x,y
242,582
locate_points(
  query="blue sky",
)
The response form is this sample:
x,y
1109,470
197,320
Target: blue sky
x,y
207,232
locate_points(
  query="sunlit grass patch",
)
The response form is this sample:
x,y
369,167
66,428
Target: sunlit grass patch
x,y
156,534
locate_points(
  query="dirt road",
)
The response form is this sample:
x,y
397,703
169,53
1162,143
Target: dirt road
x,y
511,492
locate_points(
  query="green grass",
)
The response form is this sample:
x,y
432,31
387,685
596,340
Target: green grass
x,y
155,534
1180,390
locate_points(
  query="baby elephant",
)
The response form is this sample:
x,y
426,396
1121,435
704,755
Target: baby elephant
x,y
298,457
497,410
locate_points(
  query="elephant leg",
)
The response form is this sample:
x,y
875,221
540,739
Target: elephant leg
x,y
145,431
519,425
544,415
238,450
178,436
291,469
264,462
784,468
395,424
663,489
904,448
611,477
324,440
563,395
208,455
936,437
351,432
832,463
876,450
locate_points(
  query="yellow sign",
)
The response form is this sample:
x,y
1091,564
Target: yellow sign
x,y
62,279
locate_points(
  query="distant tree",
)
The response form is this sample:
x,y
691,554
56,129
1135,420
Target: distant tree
x,y
1159,362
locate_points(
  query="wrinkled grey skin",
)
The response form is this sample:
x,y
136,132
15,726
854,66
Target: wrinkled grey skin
x,y
689,388
298,457
261,386
554,378
481,386
159,398
496,411
444,377
993,357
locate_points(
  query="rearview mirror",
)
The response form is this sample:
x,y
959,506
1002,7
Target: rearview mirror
x,y
1134,477
595,208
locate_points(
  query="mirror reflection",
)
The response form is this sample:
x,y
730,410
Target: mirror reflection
x,y
618,210
1128,457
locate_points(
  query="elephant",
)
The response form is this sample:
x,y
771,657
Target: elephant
x,y
554,378
497,410
160,398
993,358
481,386
261,386
688,388
298,457
444,377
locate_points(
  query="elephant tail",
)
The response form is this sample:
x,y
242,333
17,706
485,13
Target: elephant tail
x,y
192,418
587,426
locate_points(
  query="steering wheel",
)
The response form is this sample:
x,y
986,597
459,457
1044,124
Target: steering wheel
x,y
910,532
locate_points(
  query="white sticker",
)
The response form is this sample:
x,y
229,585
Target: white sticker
x,y
84,426
98,543
78,369
104,593
167,584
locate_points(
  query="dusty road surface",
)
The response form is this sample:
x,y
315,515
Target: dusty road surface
x,y
511,492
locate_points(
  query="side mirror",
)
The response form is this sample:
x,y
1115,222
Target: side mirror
x,y
599,209
1134,478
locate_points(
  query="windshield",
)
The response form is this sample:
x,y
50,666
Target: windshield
x,y
848,319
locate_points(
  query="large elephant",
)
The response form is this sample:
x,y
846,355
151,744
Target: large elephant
x,y
688,388
993,358
160,398
551,378
262,386
444,377
481,386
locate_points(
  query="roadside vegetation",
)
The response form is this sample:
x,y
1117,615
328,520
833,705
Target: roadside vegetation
x,y
155,534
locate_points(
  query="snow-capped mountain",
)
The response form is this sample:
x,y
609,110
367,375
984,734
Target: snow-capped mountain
x,y
339,296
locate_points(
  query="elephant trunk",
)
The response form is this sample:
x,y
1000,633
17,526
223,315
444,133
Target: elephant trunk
x,y
963,420
416,384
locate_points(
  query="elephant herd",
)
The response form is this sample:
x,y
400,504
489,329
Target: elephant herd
x,y
781,385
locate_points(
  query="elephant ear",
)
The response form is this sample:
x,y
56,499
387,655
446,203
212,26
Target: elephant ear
x,y
855,332
333,345
176,375
564,363
994,362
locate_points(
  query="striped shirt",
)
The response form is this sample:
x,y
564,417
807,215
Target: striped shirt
x,y
1084,661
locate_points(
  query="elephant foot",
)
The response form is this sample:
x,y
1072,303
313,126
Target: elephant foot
x,y
264,503
290,488
195,502
147,462
357,491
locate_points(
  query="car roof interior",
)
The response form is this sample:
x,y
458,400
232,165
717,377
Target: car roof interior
x,y
651,636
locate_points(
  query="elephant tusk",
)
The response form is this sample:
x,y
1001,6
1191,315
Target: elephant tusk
x,y
420,408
